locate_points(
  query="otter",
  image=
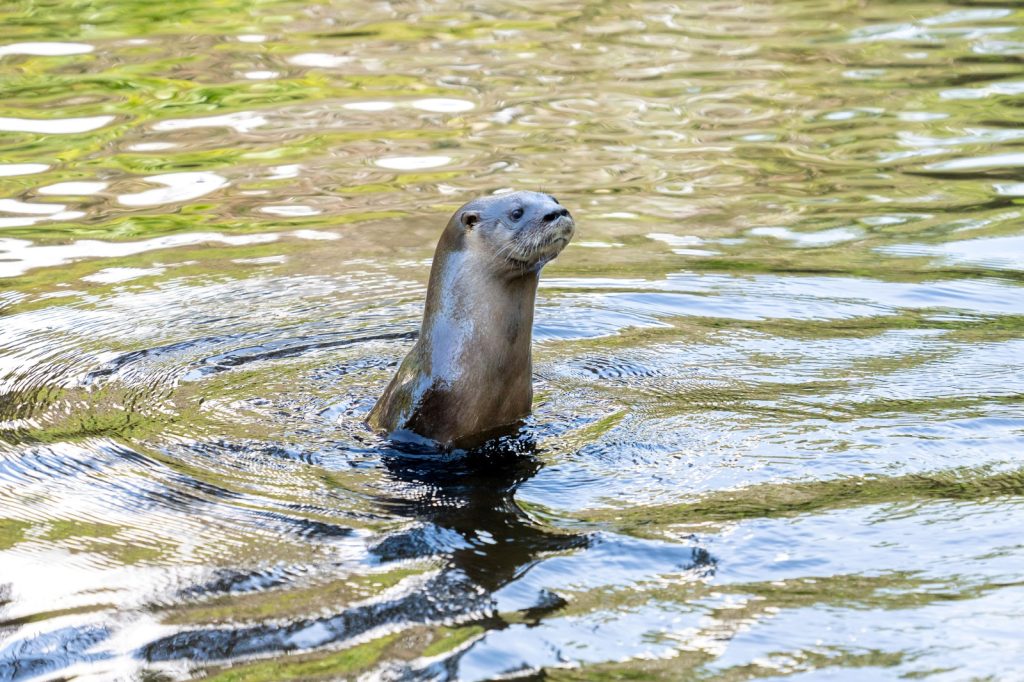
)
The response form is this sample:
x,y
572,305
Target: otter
x,y
469,377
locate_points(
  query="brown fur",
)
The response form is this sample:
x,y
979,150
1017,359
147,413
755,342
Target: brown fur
x,y
469,376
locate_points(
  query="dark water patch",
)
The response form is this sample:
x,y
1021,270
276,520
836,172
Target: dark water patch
x,y
616,369
52,651
220,644
114,366
227,581
281,349
306,528
774,500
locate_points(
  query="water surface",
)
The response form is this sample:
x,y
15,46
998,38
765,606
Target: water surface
x,y
779,373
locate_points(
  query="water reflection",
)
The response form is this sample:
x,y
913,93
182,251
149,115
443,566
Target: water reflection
x,y
471,501
777,378
461,512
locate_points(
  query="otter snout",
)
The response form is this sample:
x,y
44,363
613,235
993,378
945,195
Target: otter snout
x,y
555,215
562,225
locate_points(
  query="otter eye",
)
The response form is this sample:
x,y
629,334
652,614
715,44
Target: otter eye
x,y
516,214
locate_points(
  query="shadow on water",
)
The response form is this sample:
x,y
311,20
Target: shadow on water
x,y
462,512
472,500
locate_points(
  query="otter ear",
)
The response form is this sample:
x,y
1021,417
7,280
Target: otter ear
x,y
470,219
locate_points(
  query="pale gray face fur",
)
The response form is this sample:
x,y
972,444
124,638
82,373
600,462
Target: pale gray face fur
x,y
522,230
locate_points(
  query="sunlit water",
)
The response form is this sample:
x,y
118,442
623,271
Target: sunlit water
x,y
780,372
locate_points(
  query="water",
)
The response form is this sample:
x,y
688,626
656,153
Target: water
x,y
779,373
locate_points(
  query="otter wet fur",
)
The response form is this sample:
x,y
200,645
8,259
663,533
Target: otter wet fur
x,y
469,376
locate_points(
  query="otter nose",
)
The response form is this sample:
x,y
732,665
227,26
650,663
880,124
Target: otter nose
x,y
555,215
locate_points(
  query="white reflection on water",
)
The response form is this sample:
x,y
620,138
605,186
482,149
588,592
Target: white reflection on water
x,y
676,239
369,106
25,221
598,245
77,189
178,187
438,105
262,260
683,244
12,169
1011,160
1015,189
314,235
412,162
115,275
46,49
15,206
319,59
55,126
296,210
806,239
1005,89
241,121
443,105
1005,253
151,146
284,172
31,214
18,256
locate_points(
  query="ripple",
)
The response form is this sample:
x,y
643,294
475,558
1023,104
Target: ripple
x,y
808,239
1009,189
995,161
20,256
997,252
1001,89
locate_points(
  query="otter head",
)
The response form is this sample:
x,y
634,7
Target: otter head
x,y
519,232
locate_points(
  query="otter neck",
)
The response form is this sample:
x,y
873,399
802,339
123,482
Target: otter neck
x,y
478,323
